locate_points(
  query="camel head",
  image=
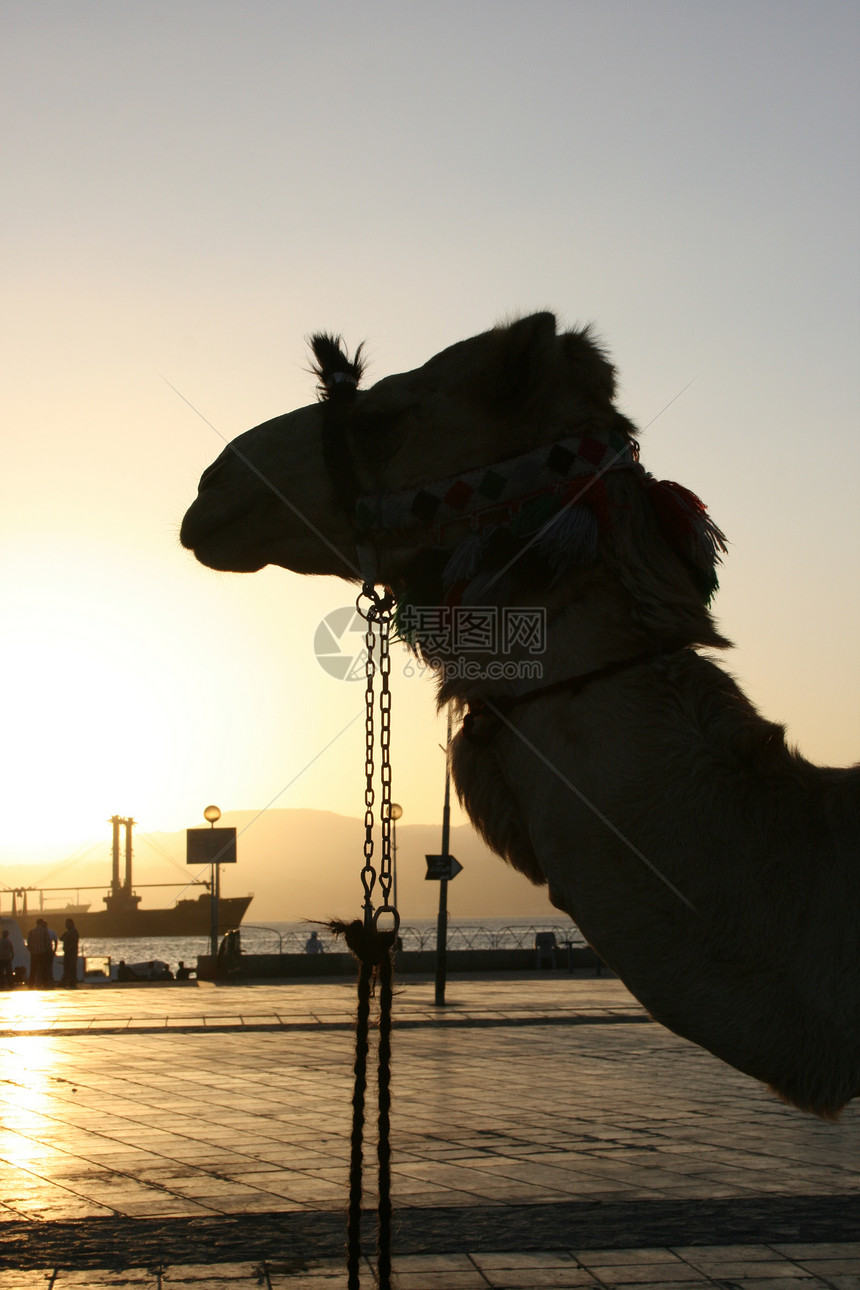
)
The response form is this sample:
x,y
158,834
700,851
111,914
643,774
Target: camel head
x,y
495,469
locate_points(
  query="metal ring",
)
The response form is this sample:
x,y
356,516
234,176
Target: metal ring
x,y
367,592
387,909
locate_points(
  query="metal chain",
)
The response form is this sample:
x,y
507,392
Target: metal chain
x,y
377,614
368,873
373,945
386,870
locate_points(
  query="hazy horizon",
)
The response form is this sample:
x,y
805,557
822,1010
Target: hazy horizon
x,y
300,868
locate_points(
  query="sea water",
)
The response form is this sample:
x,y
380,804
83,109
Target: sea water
x,y
290,938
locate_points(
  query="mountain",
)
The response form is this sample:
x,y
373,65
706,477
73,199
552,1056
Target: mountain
x,y
307,864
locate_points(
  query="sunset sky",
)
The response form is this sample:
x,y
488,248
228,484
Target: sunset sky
x,y
192,188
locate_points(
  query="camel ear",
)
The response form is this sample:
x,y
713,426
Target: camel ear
x,y
337,374
591,370
527,350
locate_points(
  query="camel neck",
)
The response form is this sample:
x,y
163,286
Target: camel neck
x,y
479,711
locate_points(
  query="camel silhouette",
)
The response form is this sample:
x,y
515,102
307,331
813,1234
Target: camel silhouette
x,y
713,868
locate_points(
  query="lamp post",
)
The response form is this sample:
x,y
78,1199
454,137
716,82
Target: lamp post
x,y
396,812
213,815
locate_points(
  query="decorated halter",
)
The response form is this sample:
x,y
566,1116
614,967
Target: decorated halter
x,y
552,500
494,494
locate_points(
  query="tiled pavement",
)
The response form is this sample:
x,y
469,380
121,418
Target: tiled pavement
x,y
199,1137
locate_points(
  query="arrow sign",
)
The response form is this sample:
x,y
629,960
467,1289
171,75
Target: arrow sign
x,y
439,867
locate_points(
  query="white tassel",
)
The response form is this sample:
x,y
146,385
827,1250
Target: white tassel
x,y
463,562
570,536
490,588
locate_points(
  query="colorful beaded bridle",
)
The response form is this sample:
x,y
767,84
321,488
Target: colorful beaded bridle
x,y
552,499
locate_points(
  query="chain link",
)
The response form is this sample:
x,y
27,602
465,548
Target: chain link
x,y
377,616
368,873
386,870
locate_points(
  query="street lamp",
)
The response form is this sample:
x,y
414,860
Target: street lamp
x,y
213,814
395,811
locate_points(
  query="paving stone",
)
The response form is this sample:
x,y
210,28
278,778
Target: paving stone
x,y
434,1263
445,1280
209,1282
633,1272
524,1260
220,1275
623,1257
704,1254
831,1267
531,1278
788,1279
309,1281
322,1275
738,1269
140,1278
26,1280
823,1250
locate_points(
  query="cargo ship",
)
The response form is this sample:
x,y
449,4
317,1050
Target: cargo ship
x,y
123,916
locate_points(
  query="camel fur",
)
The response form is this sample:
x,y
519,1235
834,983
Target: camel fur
x,y
714,869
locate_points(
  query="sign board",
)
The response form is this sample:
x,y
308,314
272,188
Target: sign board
x,y
210,846
439,867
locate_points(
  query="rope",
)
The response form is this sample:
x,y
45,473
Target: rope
x,y
374,951
383,1145
353,1226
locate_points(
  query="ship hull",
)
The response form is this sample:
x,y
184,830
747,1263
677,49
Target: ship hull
x,y
185,918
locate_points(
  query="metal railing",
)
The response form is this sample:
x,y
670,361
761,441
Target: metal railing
x,y
257,927
471,936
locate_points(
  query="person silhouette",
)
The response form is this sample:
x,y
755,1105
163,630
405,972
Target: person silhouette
x,y
7,957
70,939
41,947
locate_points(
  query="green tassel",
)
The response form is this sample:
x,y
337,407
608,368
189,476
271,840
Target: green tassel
x,y
534,515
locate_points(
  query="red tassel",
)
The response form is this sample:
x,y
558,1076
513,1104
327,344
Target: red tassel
x,y
679,511
591,492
